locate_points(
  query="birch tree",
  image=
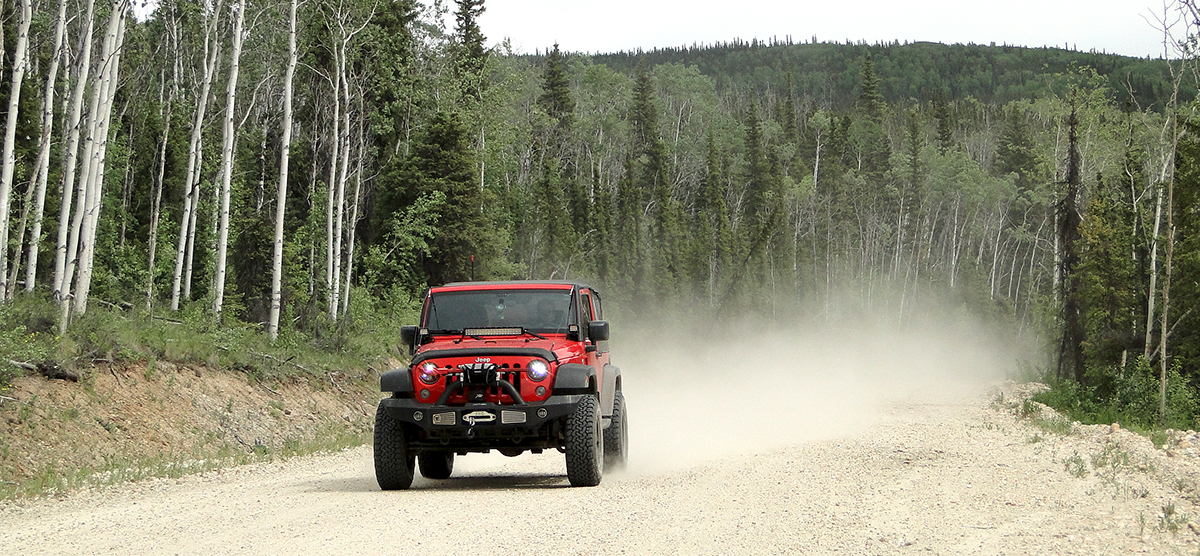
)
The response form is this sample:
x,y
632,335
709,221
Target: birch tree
x,y
239,9
70,156
43,160
106,91
166,109
20,61
187,227
281,199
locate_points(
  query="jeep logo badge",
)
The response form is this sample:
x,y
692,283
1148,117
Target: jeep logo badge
x,y
479,417
483,359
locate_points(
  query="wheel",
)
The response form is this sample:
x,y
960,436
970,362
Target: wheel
x,y
436,465
616,436
585,444
394,464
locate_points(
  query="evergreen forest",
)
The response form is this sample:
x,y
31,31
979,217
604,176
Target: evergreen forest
x,y
300,172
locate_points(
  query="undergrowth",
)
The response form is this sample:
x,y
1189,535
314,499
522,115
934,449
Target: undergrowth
x,y
53,480
366,336
1130,397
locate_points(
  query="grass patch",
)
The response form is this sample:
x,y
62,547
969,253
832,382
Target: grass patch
x,y
53,481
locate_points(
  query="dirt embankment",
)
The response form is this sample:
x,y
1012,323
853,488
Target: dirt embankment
x,y
123,422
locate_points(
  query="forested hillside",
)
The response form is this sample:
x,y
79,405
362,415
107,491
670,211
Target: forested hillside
x,y
920,71
306,170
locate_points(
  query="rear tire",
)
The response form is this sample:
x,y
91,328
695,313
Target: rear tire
x,y
616,436
585,444
394,464
436,465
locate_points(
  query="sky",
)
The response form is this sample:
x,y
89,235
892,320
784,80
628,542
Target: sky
x,y
1128,27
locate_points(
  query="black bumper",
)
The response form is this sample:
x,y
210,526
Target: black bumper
x,y
479,427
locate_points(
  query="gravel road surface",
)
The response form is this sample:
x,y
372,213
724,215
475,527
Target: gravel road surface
x,y
794,445
941,478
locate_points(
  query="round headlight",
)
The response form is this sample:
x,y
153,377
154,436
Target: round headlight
x,y
427,373
537,370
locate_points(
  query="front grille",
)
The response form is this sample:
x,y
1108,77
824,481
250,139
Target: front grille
x,y
483,379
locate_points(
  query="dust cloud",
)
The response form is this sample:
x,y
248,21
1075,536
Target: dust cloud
x,y
701,392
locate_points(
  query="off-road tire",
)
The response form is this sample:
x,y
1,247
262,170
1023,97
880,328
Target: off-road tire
x,y
394,464
585,444
616,436
436,465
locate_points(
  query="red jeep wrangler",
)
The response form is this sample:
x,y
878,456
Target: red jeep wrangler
x,y
506,366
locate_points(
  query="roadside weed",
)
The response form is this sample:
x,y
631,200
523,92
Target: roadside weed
x,y
1171,520
1076,466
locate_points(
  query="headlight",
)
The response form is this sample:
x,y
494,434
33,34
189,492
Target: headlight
x,y
537,370
427,373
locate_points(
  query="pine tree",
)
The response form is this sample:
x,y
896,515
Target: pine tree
x,y
442,161
556,91
876,150
945,128
1015,154
1070,350
870,100
470,54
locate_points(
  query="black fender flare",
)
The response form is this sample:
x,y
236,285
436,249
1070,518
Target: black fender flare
x,y
575,379
608,394
396,380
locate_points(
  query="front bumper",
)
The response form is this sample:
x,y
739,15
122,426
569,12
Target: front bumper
x,y
479,427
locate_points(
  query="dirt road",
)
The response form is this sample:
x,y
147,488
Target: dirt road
x,y
812,445
940,478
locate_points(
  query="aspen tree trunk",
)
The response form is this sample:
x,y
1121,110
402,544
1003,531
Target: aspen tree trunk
x,y
10,138
335,297
187,226
1152,291
1163,329
88,131
70,158
156,206
335,143
43,162
281,199
358,175
227,156
111,67
81,242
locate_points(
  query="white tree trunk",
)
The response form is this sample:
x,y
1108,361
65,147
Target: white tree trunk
x,y
335,144
43,162
70,158
166,111
227,155
358,175
281,199
187,226
335,297
108,88
10,138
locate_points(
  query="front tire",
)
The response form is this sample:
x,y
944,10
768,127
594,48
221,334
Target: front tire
x,y
394,464
585,444
616,436
436,465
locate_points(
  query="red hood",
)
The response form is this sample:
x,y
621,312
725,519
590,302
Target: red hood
x,y
555,343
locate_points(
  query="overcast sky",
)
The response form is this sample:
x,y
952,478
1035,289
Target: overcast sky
x,y
1116,26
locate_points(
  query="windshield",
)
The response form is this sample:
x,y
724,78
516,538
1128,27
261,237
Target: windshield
x,y
545,311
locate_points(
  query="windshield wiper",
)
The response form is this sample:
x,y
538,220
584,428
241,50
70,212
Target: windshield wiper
x,y
535,334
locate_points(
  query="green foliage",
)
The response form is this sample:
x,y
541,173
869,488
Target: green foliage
x,y
919,70
1129,397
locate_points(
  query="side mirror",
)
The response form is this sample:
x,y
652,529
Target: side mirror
x,y
598,330
408,335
